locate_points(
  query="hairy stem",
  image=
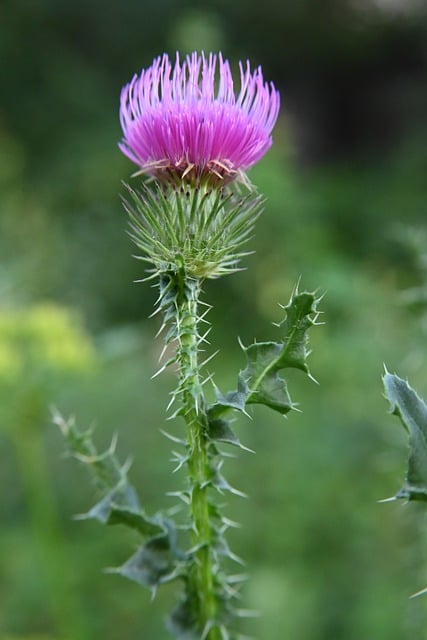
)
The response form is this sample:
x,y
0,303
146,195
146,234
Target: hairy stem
x,y
203,595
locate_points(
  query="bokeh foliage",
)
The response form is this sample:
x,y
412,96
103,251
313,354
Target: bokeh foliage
x,y
344,178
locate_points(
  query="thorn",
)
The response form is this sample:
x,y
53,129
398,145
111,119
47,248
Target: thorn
x,y
80,516
248,415
236,558
175,414
422,592
241,343
237,578
156,310
160,330
313,378
320,298
112,448
171,401
244,447
163,351
231,523
163,368
295,290
295,407
205,312
211,357
172,512
208,378
211,624
180,459
126,466
64,425
179,494
172,438
203,338
193,550
222,485
392,499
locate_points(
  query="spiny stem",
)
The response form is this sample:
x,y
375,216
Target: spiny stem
x,y
203,592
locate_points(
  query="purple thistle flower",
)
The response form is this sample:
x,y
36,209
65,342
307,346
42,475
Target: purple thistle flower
x,y
188,122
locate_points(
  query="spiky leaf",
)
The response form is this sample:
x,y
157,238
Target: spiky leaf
x,y
265,360
156,562
121,506
412,411
120,503
261,382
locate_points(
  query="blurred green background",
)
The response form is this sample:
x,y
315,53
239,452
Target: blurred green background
x,y
346,188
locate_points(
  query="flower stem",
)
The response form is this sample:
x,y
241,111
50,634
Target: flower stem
x,y
203,586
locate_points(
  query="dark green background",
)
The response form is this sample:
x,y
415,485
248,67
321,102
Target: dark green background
x,y
346,186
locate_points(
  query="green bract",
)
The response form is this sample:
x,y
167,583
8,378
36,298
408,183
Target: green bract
x,y
196,228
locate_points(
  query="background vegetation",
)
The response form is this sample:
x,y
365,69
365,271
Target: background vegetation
x,y
346,192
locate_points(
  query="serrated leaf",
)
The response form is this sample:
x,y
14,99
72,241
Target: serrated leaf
x,y
412,411
261,381
296,324
135,520
262,378
149,563
155,562
219,427
121,506
267,359
219,430
230,400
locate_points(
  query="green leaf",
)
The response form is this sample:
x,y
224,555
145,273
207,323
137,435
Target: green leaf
x,y
265,360
220,431
261,381
120,503
121,506
412,411
219,427
156,562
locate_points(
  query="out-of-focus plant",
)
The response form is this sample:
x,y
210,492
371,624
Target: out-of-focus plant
x,y
42,348
39,344
413,241
405,403
186,127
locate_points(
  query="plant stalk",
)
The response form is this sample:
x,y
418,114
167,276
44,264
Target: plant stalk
x,y
202,584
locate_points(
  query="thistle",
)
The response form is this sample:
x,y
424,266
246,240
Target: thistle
x,y
187,122
194,137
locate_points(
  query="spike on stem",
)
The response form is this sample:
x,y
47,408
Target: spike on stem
x,y
203,588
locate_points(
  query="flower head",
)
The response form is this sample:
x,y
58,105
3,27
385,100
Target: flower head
x,y
186,121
